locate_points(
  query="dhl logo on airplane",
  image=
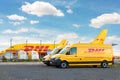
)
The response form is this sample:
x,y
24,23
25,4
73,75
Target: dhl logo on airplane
x,y
36,48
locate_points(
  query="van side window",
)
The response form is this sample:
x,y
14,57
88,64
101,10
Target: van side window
x,y
73,50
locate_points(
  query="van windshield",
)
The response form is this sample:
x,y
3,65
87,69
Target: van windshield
x,y
56,50
64,50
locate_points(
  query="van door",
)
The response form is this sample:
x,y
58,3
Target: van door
x,y
71,56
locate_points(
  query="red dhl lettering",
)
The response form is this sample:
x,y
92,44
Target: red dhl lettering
x,y
36,48
98,50
46,48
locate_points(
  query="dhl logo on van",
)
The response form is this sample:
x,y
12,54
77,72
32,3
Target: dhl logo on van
x,y
36,48
97,50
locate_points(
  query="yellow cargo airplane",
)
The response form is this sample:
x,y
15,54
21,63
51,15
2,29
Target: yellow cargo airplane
x,y
40,48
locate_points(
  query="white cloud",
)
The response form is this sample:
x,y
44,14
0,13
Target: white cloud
x,y
40,8
66,3
1,21
9,31
17,20
76,25
46,33
111,18
4,44
69,11
17,23
16,17
34,32
113,39
71,37
68,36
22,39
34,22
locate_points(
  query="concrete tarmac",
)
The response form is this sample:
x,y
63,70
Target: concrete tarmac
x,y
39,71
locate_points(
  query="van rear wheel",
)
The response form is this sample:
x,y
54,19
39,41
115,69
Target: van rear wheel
x,y
104,64
64,64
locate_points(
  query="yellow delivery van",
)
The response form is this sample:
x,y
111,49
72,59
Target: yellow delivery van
x,y
46,59
95,53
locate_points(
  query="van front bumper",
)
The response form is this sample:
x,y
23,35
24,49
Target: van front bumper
x,y
45,61
55,62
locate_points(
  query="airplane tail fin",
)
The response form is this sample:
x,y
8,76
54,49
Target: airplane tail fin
x,y
63,42
101,37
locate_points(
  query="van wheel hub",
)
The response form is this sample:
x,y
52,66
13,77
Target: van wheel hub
x,y
63,65
104,64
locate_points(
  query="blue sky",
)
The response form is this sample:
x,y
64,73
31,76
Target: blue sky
x,y
49,20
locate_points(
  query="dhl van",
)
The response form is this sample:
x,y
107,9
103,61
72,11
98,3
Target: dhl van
x,y
46,59
95,53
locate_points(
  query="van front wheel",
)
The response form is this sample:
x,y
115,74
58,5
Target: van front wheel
x,y
64,64
104,64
